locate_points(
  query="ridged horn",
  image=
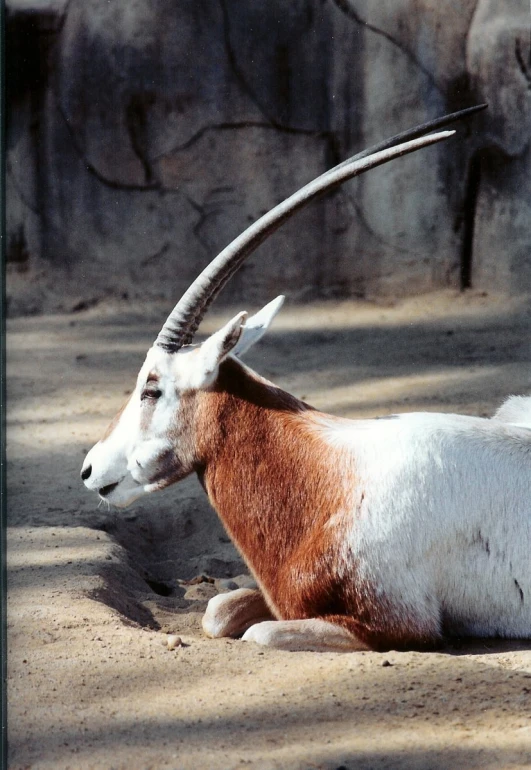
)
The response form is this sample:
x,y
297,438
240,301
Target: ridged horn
x,y
183,321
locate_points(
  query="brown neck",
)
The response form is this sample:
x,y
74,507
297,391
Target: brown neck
x,y
272,478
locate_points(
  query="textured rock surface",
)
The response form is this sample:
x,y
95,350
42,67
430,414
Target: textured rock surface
x,y
143,137
499,61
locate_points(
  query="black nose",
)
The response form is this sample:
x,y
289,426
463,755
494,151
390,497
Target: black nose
x,y
85,473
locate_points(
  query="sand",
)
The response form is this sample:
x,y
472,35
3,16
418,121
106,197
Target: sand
x,y
93,593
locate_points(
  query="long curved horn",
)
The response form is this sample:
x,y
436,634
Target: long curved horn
x,y
413,133
185,318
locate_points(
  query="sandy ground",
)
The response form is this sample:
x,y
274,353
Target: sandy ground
x,y
93,593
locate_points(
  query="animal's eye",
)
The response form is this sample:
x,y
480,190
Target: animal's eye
x,y
150,392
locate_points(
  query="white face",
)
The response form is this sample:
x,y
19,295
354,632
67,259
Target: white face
x,y
139,453
149,446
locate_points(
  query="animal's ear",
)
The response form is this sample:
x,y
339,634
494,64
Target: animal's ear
x,y
256,326
208,357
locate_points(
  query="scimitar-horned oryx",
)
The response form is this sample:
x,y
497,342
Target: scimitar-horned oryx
x,y
370,533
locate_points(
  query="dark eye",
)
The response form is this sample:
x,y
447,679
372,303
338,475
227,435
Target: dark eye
x,y
150,392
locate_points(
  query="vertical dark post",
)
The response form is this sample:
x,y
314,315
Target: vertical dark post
x,y
3,510
469,217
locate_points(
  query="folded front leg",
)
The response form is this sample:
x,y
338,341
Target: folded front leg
x,y
314,634
231,614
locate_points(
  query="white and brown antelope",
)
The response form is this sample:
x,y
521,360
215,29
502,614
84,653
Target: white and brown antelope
x,y
380,533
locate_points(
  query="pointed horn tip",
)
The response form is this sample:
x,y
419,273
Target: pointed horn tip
x,y
426,140
441,134
278,301
466,111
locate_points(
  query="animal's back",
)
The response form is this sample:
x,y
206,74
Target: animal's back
x,y
515,410
445,520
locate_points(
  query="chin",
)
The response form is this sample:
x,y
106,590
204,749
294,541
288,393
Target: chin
x,y
123,497
119,502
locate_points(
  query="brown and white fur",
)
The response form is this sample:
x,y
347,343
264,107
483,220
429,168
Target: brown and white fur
x,y
361,534
383,533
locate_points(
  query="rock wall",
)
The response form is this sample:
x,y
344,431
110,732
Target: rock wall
x,y
142,137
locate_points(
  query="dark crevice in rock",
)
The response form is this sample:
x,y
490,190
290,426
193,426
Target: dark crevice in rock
x,y
111,183
159,588
204,130
154,257
240,77
63,15
200,222
525,67
136,116
16,184
333,154
194,204
236,127
31,34
154,183
346,8
23,56
459,94
282,72
17,250
473,182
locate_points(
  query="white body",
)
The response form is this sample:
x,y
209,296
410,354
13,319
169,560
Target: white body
x,y
445,524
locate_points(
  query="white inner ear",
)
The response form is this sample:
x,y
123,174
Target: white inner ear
x,y
257,325
204,362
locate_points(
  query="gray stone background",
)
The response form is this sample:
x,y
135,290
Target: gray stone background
x,y
143,136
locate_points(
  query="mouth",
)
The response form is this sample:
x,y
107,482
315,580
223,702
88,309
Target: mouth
x,y
105,491
122,492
